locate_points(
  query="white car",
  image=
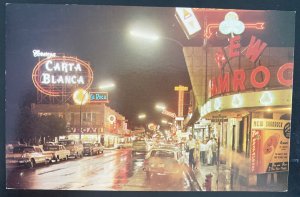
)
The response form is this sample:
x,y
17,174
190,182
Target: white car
x,y
57,152
27,156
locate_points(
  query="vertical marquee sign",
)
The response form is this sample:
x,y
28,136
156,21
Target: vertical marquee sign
x,y
55,76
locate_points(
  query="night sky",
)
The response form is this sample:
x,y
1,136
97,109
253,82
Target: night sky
x,y
144,72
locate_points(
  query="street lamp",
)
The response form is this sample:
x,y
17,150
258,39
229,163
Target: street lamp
x,y
152,36
107,86
80,97
142,116
160,106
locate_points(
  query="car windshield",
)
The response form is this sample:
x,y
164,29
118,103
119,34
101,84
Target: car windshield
x,y
162,153
87,145
51,148
67,143
23,150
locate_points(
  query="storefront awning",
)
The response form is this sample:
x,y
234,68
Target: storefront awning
x,y
195,117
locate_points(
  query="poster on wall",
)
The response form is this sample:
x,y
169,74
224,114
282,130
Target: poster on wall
x,y
270,145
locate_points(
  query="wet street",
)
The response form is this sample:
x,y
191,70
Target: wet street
x,y
112,170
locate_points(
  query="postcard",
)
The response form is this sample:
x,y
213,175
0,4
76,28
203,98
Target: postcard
x,y
137,98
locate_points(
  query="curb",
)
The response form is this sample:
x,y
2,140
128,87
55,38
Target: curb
x,y
195,186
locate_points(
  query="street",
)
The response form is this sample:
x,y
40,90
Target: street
x,y
112,170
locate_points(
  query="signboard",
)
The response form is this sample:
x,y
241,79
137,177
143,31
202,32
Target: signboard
x,y
38,53
165,112
83,130
179,118
98,97
181,88
270,144
56,76
236,82
188,21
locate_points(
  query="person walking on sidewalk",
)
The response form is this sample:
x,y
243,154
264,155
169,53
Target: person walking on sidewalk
x,y
203,152
214,151
191,147
197,155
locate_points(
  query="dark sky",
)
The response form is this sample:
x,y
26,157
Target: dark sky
x,y
144,72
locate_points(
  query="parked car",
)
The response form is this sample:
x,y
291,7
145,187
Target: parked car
x,y
57,152
164,162
92,148
27,156
75,148
139,146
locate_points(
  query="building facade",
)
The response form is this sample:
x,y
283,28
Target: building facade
x,y
90,122
244,98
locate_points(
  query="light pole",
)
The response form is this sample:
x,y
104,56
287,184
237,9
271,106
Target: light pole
x,y
80,98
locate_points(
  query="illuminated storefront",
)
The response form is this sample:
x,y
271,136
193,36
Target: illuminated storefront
x,y
98,122
246,94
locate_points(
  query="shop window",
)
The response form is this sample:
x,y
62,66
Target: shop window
x,y
285,117
268,115
93,117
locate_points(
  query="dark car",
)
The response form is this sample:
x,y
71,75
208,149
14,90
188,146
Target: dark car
x,y
92,148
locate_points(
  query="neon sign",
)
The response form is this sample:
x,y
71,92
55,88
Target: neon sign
x,y
221,83
98,97
57,75
38,53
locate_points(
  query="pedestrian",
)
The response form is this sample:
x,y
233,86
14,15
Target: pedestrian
x,y
197,155
209,152
214,151
191,147
203,152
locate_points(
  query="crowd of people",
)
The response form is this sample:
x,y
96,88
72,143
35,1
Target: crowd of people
x,y
204,152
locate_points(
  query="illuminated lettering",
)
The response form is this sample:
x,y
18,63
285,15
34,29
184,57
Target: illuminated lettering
x,y
47,65
266,79
238,80
255,49
223,83
61,79
284,68
77,67
234,46
220,58
45,78
80,80
73,79
214,87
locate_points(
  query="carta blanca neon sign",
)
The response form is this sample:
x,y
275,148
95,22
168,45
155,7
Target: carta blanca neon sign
x,y
53,67
235,81
56,75
98,97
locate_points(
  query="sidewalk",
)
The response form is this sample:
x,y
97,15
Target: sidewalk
x,y
227,180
